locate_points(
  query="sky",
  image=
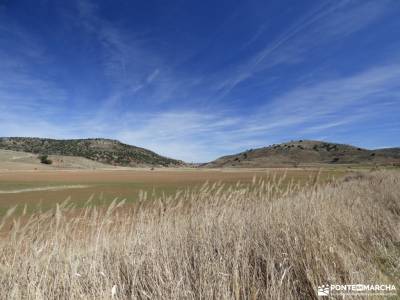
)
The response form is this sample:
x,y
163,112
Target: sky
x,y
196,80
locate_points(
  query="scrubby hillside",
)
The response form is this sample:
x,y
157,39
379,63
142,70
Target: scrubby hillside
x,y
101,150
18,160
305,152
265,241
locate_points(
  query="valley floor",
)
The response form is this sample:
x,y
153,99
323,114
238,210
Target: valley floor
x,y
48,187
275,237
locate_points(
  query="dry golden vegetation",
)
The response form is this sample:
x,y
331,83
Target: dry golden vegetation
x,y
267,240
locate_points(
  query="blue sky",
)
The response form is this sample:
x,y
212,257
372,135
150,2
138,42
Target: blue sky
x,y
195,80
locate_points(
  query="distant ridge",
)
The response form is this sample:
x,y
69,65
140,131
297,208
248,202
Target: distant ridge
x,y
307,152
101,150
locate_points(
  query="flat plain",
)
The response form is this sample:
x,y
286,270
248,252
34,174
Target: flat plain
x,y
45,188
276,237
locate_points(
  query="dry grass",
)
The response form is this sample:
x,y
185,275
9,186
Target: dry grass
x,y
264,241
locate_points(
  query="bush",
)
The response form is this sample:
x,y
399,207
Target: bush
x,y
45,160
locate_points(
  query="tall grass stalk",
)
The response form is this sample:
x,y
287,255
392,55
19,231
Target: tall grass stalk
x,y
268,240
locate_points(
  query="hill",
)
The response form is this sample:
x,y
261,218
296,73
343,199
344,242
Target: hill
x,y
100,150
18,160
307,152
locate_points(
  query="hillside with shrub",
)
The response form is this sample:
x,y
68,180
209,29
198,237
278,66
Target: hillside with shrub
x,y
309,152
106,151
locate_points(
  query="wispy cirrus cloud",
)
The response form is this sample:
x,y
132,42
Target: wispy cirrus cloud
x,y
269,89
322,25
23,90
306,111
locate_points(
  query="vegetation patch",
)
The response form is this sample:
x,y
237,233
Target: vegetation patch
x,y
266,240
102,150
44,159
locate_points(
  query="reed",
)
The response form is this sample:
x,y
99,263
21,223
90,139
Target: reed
x,y
268,240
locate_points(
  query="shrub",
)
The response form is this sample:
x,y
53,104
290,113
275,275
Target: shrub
x,y
45,160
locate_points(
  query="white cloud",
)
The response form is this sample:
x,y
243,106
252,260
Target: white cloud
x,y
308,110
201,135
31,105
324,24
152,76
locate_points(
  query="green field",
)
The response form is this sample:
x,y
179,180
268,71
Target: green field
x,y
43,189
